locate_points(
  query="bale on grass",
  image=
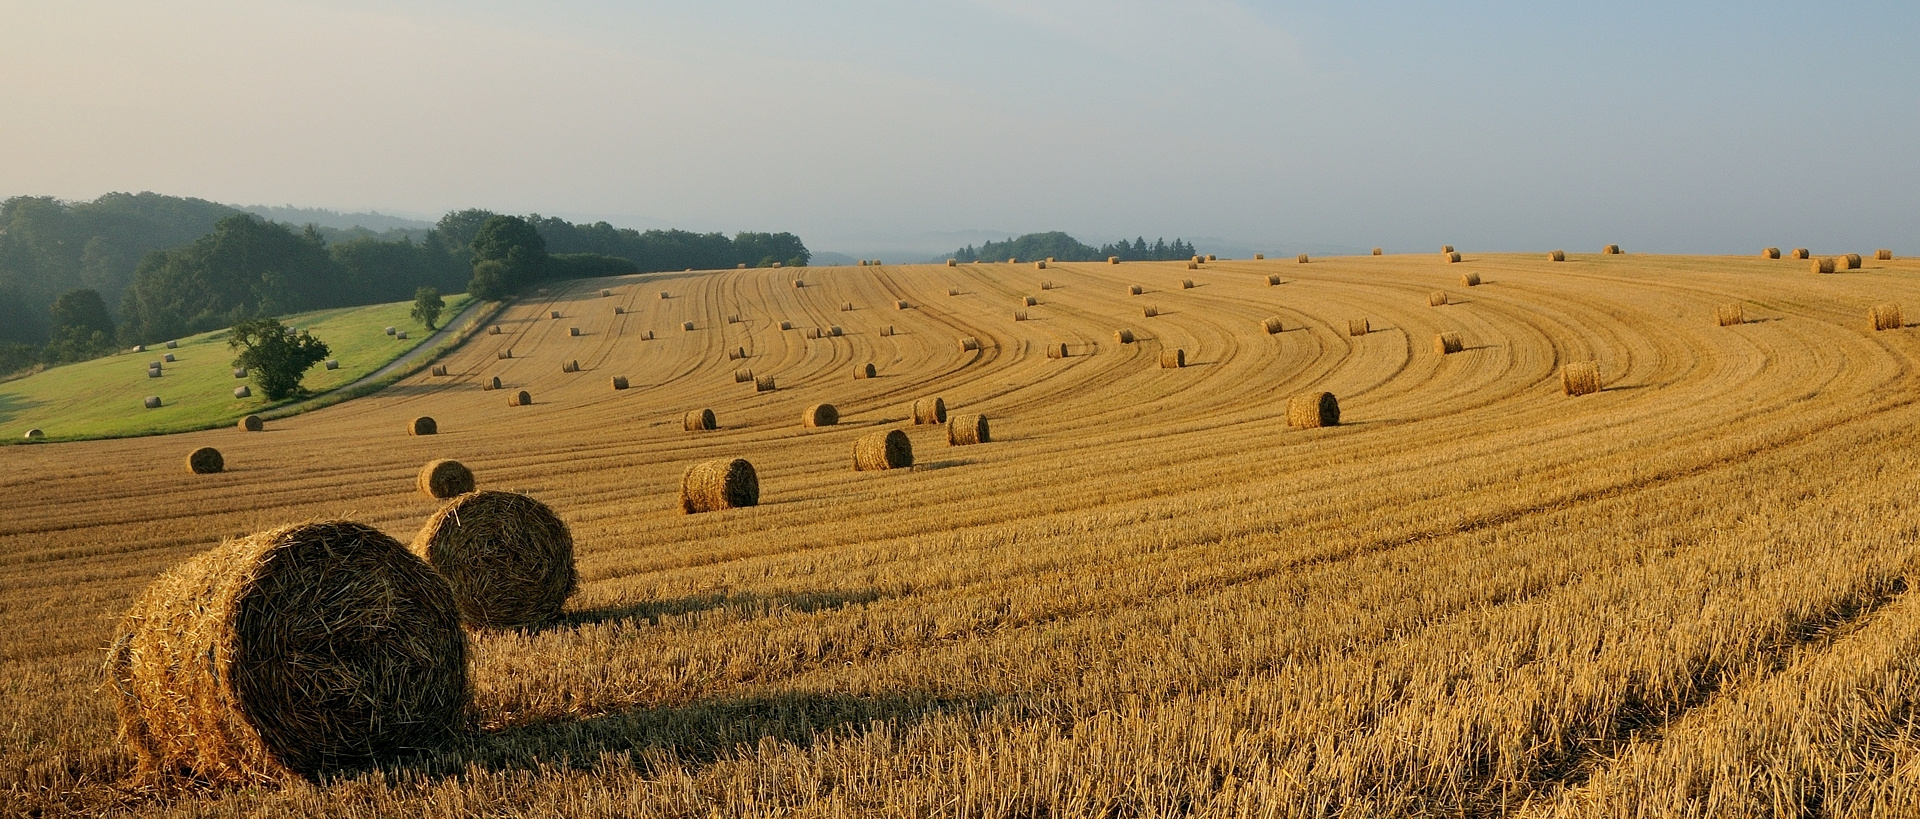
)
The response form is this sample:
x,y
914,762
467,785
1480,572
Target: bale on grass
x,y
1611,250
620,382
1447,343
1580,378
521,399
1883,255
1273,325
239,372
1557,256
1358,327
154,371
1134,290
1173,359
1437,298
243,391
169,358
152,402
1886,317
1730,314
1823,265
763,384
423,425
205,461
333,363
1273,280
968,429
930,410
820,415
402,335
1123,336
444,478
1770,253
1314,409
1470,279
969,344
1057,350
507,557
719,484
173,345
35,434
139,348
309,648
882,450
699,420
252,423
865,371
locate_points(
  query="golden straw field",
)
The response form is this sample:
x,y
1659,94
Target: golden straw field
x,y
1147,595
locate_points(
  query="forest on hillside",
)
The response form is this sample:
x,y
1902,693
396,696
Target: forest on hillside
x,y
1058,245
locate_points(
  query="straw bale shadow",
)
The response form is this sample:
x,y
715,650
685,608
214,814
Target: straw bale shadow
x,y
652,611
946,464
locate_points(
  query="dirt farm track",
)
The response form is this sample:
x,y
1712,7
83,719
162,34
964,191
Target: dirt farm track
x,y
1685,595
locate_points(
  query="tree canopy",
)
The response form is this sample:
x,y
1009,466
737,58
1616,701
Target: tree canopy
x,y
1058,245
275,356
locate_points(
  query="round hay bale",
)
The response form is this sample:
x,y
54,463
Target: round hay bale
x,y
1134,290
865,371
664,295
243,391
570,367
700,420
1470,279
1040,265
1376,251
1822,266
1113,260
173,345
1730,314
1580,378
1886,317
35,434
153,372
1193,265
836,331
820,415
1358,327
1173,359
1028,301
1123,336
1451,258
1557,256
206,461
1447,343
719,484
504,355
1273,325
494,330
620,382
953,291
169,358
1770,253
333,363
1314,409
1209,257
1259,256
239,372
392,330
554,314
573,332
1852,260
846,307
1883,255
687,326
152,402
508,558
887,330
901,304
953,262
252,423
777,265
882,450
969,344
1303,258
287,654
930,410
139,348
1057,350
1197,259
605,293
1611,250
1150,311
1446,249
444,479
1437,298
1186,284
619,311
786,325
1801,253
742,376
1273,280
646,336
763,384
493,383
521,399
423,425
965,430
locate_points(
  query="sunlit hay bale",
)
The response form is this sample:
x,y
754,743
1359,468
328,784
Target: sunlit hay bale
x,y
1209,257
333,363
423,425
239,372
392,330
742,376
504,355
1135,290
619,311
1447,343
139,348
605,293
1801,253
846,307
719,484
786,325
1376,251
35,434
836,331
686,326
1173,359
1451,258
570,367
700,420
490,384
1040,265
1028,301
1437,298
1886,317
252,423
1186,284
1770,253
152,402
508,558
1314,409
521,399
287,654
1557,256
865,371
1113,260
900,304
1852,261
1610,250
882,450
965,430
953,291
930,410
1273,280
820,415
1730,314
1123,336
1883,255
444,478
763,384
620,382
736,354
205,461
1259,256
1150,311
1470,279
953,262
969,344
733,319
1049,259
1046,285
1302,258
554,314
402,335
887,330
1057,350
573,331
1272,325
243,391
1580,378
665,295
440,369
1358,327
1019,315
1822,265
815,332
1446,249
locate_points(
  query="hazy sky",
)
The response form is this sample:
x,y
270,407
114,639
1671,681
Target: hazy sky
x,y
1713,127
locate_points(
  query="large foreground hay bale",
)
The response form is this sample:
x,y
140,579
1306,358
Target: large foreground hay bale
x,y
1883,255
508,558
968,429
252,423
289,653
1314,409
719,484
882,450
820,415
930,410
1886,317
1173,359
205,461
1730,314
1770,253
1822,266
699,420
444,478
1580,378
1358,327
1437,298
1470,279
423,425
1447,343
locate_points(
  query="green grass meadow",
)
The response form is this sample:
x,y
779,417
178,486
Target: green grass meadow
x,y
103,398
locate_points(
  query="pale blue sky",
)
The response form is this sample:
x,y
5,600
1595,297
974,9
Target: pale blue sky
x,y
1677,127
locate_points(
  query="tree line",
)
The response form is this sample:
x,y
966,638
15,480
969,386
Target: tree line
x,y
1058,245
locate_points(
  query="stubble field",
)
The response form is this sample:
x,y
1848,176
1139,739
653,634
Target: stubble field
x,y
1682,596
